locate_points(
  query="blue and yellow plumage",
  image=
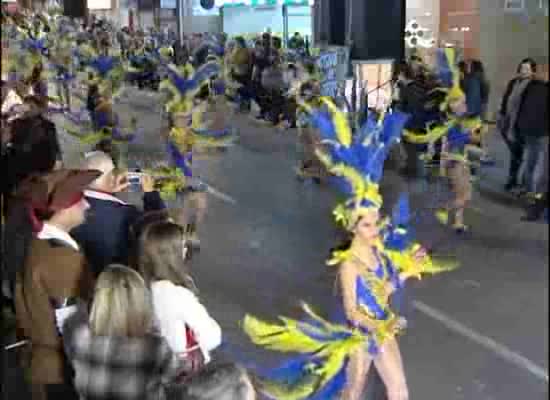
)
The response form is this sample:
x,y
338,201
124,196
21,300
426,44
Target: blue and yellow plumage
x,y
359,159
319,372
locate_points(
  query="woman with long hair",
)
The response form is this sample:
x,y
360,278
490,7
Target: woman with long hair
x,y
365,271
185,323
335,358
114,353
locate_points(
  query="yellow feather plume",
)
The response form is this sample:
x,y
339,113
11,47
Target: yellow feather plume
x,y
343,130
290,338
433,133
339,257
286,338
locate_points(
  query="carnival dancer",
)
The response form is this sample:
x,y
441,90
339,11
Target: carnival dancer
x,y
335,358
184,86
62,61
456,135
106,132
238,73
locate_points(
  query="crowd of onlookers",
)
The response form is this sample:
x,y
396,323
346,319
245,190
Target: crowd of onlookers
x,y
103,291
522,120
104,295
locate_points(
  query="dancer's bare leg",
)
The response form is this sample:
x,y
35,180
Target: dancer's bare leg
x,y
358,368
462,189
389,365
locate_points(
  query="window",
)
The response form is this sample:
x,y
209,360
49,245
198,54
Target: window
x,y
543,5
514,5
168,4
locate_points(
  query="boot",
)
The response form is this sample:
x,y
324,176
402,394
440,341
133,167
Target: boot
x,y
535,208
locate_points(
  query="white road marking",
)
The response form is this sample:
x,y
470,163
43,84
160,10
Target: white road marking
x,y
490,344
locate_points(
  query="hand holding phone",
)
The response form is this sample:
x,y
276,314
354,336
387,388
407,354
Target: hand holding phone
x,y
122,183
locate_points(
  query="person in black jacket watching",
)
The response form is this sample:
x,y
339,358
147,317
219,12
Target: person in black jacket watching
x,y
532,130
105,236
508,117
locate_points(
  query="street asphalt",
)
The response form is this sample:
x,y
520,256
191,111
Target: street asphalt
x,y
478,333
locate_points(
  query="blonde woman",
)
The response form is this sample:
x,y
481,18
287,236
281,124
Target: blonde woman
x,y
115,355
185,323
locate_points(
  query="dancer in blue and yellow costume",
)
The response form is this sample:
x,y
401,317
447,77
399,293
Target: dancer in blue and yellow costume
x,y
335,358
105,131
186,106
456,135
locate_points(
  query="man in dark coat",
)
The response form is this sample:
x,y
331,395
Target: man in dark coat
x,y
105,236
532,131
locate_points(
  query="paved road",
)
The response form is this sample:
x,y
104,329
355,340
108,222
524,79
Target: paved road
x,y
479,333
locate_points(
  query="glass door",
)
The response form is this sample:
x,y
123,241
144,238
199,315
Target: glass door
x,y
297,18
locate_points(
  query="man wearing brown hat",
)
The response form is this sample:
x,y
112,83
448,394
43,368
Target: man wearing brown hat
x,y
54,278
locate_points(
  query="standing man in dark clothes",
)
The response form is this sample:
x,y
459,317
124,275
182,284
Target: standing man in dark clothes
x,y
509,114
532,129
105,236
296,42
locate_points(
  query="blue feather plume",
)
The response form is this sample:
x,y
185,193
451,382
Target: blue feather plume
x,y
444,70
323,122
333,388
103,65
399,235
458,137
401,213
289,373
181,161
393,126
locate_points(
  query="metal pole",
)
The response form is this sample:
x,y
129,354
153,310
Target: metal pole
x,y
285,25
180,11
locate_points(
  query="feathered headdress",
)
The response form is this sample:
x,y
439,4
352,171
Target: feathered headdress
x,y
449,75
357,159
107,73
457,129
183,84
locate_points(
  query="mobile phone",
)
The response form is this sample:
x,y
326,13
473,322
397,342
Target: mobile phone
x,y
134,181
134,178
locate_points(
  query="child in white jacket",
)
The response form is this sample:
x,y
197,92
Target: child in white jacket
x,y
161,261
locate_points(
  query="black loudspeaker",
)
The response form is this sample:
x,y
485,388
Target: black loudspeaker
x,y
337,22
329,22
208,4
377,29
75,8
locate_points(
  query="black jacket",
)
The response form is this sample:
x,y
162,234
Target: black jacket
x,y
532,118
507,93
105,236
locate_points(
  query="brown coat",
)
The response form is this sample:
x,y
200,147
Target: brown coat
x,y
53,270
